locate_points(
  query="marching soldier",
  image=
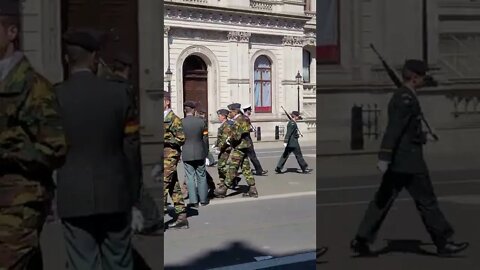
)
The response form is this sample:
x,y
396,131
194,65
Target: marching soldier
x,y
221,144
292,146
401,160
237,139
251,151
174,138
32,146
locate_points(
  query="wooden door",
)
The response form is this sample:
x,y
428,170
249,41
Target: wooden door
x,y
195,83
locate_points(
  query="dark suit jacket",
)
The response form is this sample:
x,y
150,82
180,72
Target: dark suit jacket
x,y
403,140
194,147
94,179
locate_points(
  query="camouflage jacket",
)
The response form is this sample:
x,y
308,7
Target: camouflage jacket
x,y
240,132
32,139
173,134
222,135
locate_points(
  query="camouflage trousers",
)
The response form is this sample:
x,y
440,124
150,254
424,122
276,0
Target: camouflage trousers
x,y
222,165
171,185
21,222
235,160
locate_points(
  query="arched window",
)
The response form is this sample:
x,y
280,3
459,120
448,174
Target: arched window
x,y
263,85
307,61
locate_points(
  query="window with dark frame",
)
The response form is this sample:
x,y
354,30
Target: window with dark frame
x,y
307,60
263,85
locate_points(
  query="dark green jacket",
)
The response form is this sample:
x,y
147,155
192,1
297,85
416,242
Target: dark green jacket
x,y
404,138
291,138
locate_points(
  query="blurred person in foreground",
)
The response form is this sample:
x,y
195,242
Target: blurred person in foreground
x,y
32,146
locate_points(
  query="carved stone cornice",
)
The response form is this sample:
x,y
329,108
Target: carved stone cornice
x,y
239,36
310,39
295,41
234,18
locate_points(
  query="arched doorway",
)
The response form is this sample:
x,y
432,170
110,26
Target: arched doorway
x,y
195,83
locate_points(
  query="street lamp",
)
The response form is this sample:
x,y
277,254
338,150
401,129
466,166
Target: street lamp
x,y
299,80
168,79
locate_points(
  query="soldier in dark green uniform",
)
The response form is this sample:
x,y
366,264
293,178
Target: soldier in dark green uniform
x,y
32,145
292,146
402,162
237,139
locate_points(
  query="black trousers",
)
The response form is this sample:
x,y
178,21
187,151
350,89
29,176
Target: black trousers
x,y
99,242
253,158
298,154
420,188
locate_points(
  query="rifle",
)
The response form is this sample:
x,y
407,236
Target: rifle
x,y
398,83
291,119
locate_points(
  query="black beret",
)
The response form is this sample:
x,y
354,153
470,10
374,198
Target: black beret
x,y
123,58
190,104
223,112
166,95
296,113
9,8
234,106
86,39
416,66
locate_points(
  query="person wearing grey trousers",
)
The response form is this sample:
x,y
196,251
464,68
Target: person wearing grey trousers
x,y
194,152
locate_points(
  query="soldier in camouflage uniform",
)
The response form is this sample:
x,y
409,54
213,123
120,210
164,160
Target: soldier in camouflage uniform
x,y
32,145
221,143
174,138
237,139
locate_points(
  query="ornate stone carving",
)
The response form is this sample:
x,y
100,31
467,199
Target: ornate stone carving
x,y
239,36
232,18
166,30
295,41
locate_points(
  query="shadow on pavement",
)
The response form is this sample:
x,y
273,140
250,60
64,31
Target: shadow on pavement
x,y
403,246
234,253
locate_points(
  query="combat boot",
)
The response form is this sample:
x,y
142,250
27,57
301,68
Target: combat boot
x,y
252,192
180,223
221,191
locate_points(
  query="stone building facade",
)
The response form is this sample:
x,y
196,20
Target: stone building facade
x,y
446,34
245,51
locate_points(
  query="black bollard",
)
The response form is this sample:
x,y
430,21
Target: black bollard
x,y
259,134
356,142
277,132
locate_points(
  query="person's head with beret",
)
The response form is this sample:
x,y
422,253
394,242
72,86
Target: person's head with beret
x,y
9,27
166,100
122,64
222,115
247,109
296,115
414,73
234,108
82,47
189,107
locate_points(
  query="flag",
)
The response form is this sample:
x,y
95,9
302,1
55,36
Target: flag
x,y
328,48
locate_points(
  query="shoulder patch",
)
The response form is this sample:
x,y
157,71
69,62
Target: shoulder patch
x,y
407,99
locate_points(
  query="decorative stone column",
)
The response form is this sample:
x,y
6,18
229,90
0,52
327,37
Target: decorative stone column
x,y
239,82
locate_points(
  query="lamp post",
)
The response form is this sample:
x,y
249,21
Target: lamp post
x,y
168,79
299,80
